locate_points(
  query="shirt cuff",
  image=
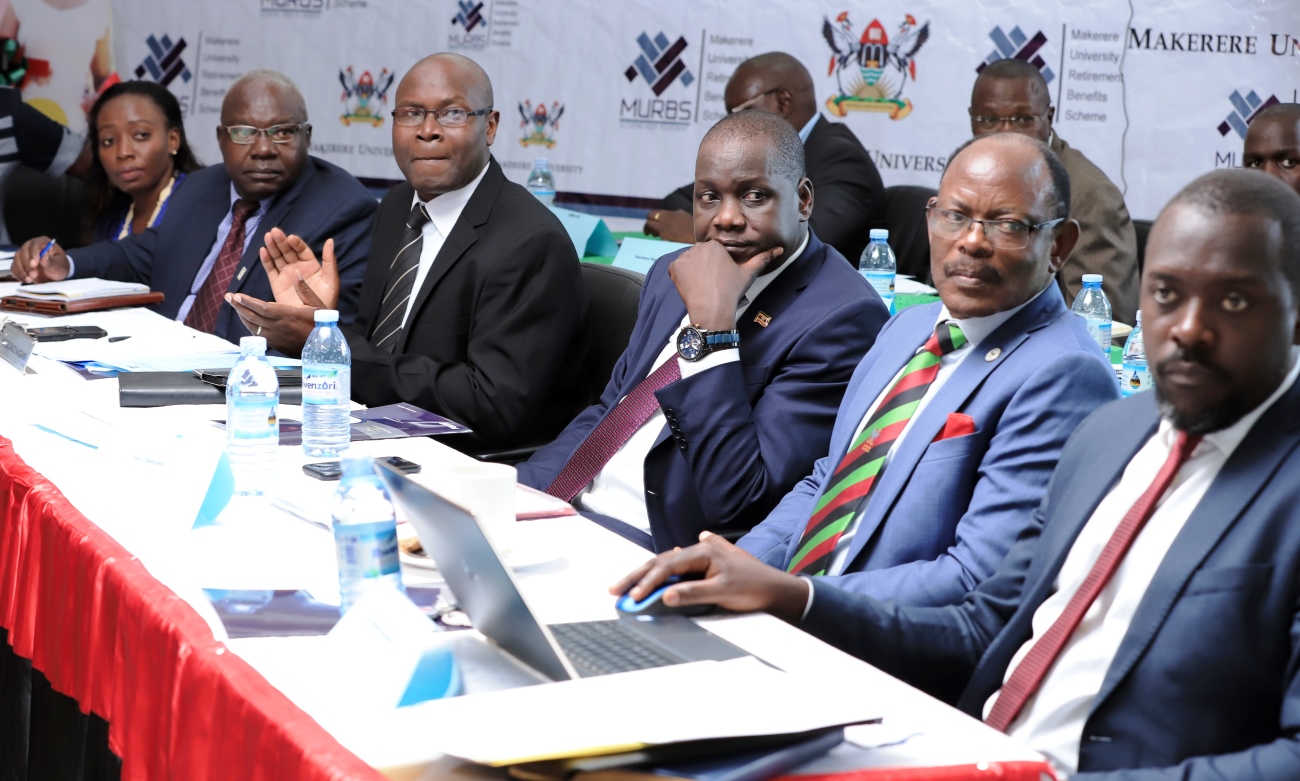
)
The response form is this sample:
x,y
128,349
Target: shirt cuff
x,y
808,606
692,368
72,266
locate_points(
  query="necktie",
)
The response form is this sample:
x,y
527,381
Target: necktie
x,y
1028,675
852,482
613,432
208,301
401,281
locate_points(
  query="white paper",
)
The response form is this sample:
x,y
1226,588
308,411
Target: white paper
x,y
377,646
910,287
76,289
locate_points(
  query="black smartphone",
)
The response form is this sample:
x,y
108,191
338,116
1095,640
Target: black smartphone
x,y
332,470
62,333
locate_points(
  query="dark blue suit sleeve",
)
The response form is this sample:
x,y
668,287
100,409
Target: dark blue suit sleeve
x,y
350,227
128,260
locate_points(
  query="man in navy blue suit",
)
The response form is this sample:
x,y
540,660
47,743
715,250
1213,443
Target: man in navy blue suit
x,y
1147,625
742,348
205,248
937,461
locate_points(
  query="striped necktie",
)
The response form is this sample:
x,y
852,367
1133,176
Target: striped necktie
x,y
401,282
851,485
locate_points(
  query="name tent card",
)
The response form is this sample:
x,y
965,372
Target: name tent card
x,y
590,235
640,254
16,346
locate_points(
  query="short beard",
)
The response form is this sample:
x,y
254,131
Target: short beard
x,y
1217,418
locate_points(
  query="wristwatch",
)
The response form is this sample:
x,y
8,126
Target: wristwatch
x,y
693,342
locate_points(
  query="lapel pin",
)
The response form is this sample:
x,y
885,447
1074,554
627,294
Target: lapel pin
x,y
240,276
992,355
763,319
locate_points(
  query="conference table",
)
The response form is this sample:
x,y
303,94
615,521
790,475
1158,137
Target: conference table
x,y
101,588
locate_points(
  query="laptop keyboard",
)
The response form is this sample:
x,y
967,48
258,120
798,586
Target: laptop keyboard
x,y
604,647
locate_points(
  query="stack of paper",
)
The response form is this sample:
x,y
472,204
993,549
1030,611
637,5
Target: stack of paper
x,y
77,289
6,263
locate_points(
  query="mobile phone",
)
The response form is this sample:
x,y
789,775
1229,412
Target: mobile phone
x,y
62,333
332,470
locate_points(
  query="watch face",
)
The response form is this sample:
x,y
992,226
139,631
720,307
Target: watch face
x,y
690,344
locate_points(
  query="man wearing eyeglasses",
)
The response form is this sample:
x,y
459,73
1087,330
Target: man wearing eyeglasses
x,y
473,305
953,422
206,247
1010,96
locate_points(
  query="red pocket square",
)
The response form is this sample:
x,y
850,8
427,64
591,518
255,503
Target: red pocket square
x,y
957,425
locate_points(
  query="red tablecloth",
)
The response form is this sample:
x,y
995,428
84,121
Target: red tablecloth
x,y
105,632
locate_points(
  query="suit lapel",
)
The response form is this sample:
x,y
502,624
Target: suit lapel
x,y
274,216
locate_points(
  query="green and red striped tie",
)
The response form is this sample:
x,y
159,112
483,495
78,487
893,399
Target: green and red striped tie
x,y
856,476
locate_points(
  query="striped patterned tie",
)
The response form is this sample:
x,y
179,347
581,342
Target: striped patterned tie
x,y
852,482
401,282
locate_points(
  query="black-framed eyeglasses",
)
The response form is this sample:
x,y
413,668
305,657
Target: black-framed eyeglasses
x,y
1003,234
1018,121
413,116
279,134
752,101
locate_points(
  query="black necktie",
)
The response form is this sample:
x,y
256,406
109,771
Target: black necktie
x,y
401,282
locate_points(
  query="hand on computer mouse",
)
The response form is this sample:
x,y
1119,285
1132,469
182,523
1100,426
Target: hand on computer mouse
x,y
731,578
653,604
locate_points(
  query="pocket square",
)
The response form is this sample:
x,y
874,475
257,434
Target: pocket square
x,y
957,425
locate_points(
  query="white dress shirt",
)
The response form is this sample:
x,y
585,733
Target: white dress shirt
x,y
1052,721
223,230
443,210
619,489
808,126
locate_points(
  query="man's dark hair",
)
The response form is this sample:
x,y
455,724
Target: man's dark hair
x,y
1289,111
1012,68
1059,196
1245,192
784,149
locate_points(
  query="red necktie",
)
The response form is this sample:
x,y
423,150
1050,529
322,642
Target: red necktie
x,y
211,295
613,432
1029,674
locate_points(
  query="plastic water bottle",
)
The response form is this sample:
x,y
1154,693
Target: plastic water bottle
x,y
1136,377
879,266
326,388
541,183
1092,306
365,532
252,428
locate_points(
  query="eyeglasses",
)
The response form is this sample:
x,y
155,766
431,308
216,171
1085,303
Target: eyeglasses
x,y
1019,121
752,101
411,116
279,134
1003,234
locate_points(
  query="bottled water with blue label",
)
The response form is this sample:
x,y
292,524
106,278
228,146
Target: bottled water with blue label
x,y
541,183
878,266
1136,376
252,428
1091,304
326,388
365,532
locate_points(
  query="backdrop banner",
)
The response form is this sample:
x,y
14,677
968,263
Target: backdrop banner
x,y
618,95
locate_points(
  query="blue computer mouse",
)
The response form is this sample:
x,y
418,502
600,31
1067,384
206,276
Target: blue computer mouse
x,y
653,604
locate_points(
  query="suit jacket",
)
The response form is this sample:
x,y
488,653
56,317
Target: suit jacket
x,y
946,512
495,336
847,191
740,434
1206,683
1107,240
326,202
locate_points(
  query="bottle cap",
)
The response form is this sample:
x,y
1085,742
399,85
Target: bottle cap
x,y
254,344
879,233
1093,278
541,162
327,315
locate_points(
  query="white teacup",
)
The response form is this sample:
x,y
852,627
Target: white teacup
x,y
487,491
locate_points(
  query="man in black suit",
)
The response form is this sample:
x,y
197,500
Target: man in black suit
x,y
1273,143
846,182
473,304
204,250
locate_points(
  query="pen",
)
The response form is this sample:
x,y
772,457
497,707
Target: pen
x,y
118,338
41,256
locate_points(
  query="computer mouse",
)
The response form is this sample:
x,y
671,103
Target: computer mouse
x,y
653,604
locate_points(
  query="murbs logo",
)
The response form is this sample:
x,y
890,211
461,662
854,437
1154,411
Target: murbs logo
x,y
364,97
539,123
470,15
473,26
660,65
1018,46
1244,110
871,71
164,62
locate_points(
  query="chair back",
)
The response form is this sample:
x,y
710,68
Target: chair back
x,y
909,237
1143,229
614,295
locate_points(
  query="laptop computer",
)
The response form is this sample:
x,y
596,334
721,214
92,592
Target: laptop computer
x,y
486,590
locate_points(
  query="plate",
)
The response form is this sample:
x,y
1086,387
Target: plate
x,y
529,554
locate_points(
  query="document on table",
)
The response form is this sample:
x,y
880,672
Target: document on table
x,y
186,363
76,289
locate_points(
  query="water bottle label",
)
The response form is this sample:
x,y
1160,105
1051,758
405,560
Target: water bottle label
x,y
883,283
320,385
1135,379
253,419
1099,330
366,551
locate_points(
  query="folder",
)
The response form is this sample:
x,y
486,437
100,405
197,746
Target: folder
x,y
73,306
161,389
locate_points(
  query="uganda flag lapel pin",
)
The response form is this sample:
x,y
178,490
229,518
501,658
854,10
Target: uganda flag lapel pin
x,y
763,318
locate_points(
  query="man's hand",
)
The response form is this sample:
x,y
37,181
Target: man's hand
x,y
670,225
712,283
29,267
290,264
285,326
733,579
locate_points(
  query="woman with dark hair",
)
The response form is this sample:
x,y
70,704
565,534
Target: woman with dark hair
x,y
140,158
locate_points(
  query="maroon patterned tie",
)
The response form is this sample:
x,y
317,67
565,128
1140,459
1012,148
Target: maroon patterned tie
x,y
1028,675
613,432
211,295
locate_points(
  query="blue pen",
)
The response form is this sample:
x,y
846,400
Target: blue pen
x,y
41,256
